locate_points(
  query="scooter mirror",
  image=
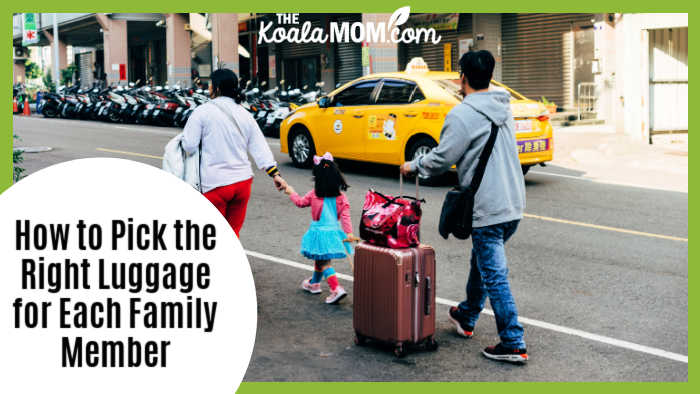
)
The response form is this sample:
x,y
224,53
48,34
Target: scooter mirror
x,y
263,83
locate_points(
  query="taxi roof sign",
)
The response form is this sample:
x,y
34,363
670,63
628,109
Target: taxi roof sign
x,y
417,66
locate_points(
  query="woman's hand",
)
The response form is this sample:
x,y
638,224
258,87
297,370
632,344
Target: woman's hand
x,y
351,238
280,183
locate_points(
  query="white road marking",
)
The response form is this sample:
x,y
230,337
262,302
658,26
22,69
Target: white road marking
x,y
121,152
578,178
560,175
533,322
147,130
106,127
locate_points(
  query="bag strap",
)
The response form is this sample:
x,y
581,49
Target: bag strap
x,y
483,159
199,167
485,153
228,115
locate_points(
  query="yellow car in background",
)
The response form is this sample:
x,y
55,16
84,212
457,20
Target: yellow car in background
x,y
390,118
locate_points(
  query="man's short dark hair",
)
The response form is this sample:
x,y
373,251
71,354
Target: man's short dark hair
x,y
478,66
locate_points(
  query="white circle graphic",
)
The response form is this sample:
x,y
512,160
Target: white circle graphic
x,y
162,317
338,126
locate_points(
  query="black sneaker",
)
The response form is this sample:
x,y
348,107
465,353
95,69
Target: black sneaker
x,y
459,320
502,353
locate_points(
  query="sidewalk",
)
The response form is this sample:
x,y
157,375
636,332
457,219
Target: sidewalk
x,y
597,153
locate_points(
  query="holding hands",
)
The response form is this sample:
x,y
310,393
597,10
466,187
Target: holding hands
x,y
280,183
352,238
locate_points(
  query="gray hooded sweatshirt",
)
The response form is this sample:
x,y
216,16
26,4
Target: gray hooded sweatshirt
x,y
501,196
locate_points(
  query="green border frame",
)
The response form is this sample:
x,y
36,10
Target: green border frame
x,y
387,6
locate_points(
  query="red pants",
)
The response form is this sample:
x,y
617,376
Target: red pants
x,y
232,202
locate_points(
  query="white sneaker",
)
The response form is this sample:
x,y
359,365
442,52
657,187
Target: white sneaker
x,y
336,295
313,288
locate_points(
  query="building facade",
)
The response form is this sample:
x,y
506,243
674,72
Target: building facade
x,y
627,70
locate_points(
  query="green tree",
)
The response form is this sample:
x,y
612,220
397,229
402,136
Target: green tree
x,y
67,74
31,70
48,81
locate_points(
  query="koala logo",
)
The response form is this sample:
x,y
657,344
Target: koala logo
x,y
389,127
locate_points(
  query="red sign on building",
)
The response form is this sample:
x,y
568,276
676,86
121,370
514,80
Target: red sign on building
x,y
122,72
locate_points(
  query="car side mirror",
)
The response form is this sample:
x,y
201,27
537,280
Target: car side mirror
x,y
324,102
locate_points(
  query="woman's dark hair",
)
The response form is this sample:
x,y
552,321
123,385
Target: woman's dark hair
x,y
478,67
225,82
328,179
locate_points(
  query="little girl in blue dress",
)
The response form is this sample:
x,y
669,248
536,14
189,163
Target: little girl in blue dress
x,y
330,233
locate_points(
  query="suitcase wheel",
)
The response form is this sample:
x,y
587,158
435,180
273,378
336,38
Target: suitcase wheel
x,y
400,350
360,340
431,344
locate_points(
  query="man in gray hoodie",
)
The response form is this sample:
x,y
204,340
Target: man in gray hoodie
x,y
498,203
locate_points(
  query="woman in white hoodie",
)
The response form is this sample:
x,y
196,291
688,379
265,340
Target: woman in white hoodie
x,y
227,134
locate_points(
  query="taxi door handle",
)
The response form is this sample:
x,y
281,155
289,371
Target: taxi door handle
x,y
358,115
410,114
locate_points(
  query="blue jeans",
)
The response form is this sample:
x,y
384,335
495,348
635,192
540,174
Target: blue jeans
x,y
489,277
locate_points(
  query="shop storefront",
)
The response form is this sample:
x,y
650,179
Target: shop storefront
x,y
455,30
547,55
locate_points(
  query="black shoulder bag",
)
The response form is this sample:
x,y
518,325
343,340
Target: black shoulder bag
x,y
458,208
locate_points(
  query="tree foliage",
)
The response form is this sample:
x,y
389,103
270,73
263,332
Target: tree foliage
x,y
67,74
32,70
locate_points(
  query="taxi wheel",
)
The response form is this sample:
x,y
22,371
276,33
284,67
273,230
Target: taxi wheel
x,y
526,169
420,147
301,148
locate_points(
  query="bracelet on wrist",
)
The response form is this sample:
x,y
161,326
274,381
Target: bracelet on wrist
x,y
272,171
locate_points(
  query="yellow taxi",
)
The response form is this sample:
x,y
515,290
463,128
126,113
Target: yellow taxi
x,y
389,118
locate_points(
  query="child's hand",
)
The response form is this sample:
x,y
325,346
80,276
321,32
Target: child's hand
x,y
289,190
352,238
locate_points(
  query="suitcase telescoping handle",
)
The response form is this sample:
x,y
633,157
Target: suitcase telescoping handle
x,y
401,186
428,295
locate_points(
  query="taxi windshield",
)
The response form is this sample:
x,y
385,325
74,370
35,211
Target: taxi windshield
x,y
452,86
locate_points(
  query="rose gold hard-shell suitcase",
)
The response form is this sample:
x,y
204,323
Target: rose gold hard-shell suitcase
x,y
394,296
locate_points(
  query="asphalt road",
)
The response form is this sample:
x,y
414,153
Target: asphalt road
x,y
599,273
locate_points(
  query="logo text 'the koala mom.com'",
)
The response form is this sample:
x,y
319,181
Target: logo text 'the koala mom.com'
x,y
289,30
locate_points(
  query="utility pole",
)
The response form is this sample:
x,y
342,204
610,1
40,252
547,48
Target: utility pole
x,y
56,61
